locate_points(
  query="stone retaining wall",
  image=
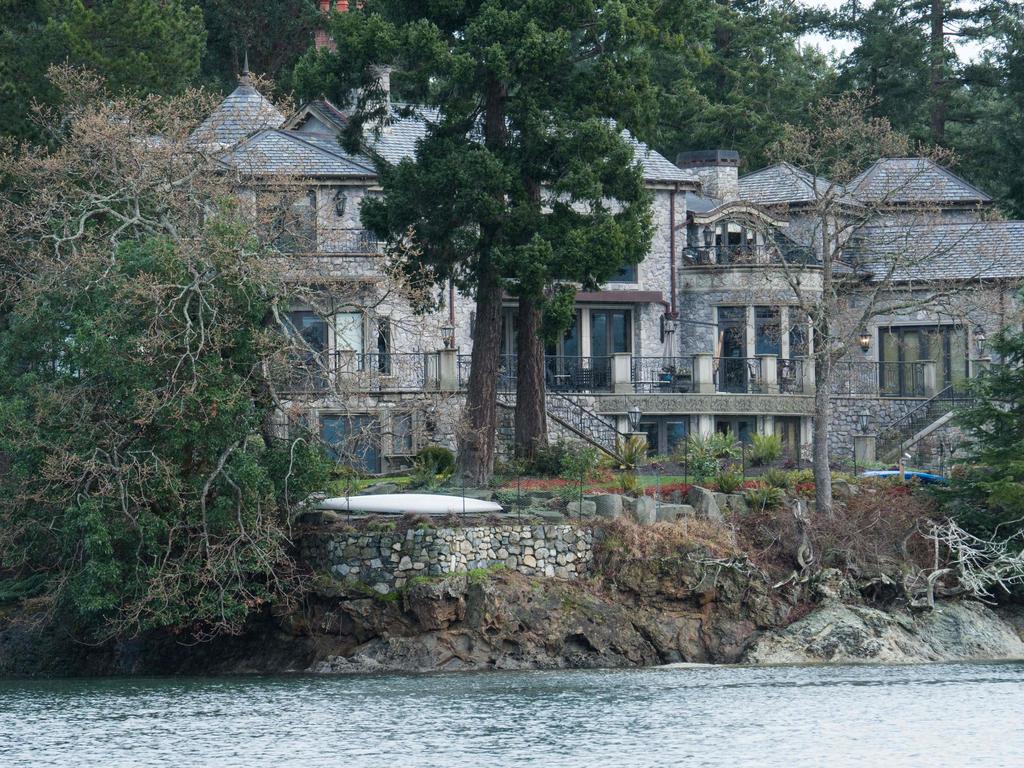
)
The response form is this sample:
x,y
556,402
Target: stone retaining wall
x,y
386,560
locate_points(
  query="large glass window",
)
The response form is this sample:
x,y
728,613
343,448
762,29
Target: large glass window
x,y
626,274
288,219
767,331
309,336
798,323
900,346
353,440
610,331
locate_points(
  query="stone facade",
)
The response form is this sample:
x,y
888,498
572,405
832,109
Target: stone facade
x,y
387,560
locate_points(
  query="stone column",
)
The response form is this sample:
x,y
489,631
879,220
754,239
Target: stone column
x,y
703,373
448,370
622,373
808,367
978,365
930,371
864,448
769,374
705,425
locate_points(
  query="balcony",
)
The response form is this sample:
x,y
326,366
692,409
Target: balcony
x,y
748,255
690,374
345,372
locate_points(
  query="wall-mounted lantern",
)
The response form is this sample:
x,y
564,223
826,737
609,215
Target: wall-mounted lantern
x,y
979,340
340,203
448,336
864,421
864,340
634,418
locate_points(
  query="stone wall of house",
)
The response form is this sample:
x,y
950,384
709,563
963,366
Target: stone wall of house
x,y
386,560
846,415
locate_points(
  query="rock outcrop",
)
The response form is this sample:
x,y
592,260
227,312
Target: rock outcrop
x,y
953,631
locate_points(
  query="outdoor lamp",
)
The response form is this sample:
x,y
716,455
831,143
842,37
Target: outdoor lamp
x,y
863,421
634,418
865,341
448,336
979,340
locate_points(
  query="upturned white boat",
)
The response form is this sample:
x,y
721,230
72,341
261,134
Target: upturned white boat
x,y
418,503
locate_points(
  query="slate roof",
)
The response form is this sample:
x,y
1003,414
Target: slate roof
x,y
656,167
290,152
944,251
913,180
244,112
782,184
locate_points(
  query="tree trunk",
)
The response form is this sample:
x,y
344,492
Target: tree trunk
x,y
479,431
822,414
531,422
937,66
480,428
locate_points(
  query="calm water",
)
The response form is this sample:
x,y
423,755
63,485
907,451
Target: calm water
x,y
950,715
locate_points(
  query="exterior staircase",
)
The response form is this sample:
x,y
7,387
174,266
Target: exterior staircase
x,y
898,436
566,411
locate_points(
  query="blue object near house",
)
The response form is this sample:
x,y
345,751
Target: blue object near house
x,y
924,477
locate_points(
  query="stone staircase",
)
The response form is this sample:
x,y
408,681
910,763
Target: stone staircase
x,y
902,434
566,411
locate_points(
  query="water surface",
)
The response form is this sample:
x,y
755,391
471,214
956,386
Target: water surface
x,y
949,715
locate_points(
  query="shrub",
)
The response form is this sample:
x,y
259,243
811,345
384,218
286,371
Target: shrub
x,y
729,480
629,482
439,457
563,458
667,489
632,450
765,497
698,457
723,445
766,449
434,464
777,478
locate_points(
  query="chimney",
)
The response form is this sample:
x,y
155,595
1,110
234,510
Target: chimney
x,y
717,169
320,37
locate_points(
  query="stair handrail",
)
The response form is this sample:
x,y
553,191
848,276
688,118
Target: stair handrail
x,y
950,393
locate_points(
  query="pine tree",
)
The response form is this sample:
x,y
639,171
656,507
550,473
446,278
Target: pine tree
x,y
523,183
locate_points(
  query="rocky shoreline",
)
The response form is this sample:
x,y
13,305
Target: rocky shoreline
x,y
694,607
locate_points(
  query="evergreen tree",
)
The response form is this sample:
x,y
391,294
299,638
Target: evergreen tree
x,y
522,183
274,34
739,78
143,46
987,492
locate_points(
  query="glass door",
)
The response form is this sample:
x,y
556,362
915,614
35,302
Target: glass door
x,y
732,349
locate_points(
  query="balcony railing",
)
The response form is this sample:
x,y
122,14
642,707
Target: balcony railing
x,y
663,374
561,373
790,376
349,241
747,255
737,374
342,371
885,379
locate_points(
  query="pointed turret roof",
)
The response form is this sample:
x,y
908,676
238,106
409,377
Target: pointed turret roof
x,y
244,112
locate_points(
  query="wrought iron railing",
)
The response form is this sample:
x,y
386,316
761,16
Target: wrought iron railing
x,y
363,372
885,379
561,373
894,435
737,374
663,374
599,431
349,241
790,376
745,255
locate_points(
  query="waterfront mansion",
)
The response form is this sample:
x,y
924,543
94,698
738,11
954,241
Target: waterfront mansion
x,y
705,334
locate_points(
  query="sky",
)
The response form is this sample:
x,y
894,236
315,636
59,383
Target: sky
x,y
843,46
